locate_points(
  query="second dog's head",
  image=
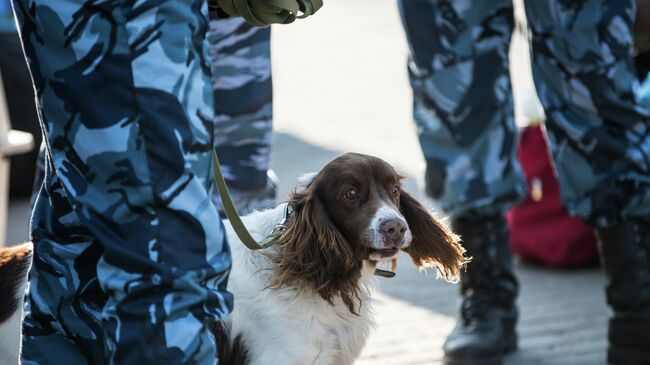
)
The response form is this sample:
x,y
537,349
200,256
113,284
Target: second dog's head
x,y
354,210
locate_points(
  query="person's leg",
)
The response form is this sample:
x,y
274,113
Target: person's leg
x,y
600,140
463,108
240,58
64,302
130,260
464,112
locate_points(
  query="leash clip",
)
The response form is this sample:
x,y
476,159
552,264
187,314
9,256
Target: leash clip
x,y
278,228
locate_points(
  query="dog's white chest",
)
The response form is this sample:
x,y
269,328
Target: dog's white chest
x,y
289,325
335,335
299,330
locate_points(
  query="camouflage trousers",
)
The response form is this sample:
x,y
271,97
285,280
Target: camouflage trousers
x,y
131,261
241,77
240,61
584,75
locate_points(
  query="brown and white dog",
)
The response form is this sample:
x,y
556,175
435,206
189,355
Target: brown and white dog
x,y
307,300
14,265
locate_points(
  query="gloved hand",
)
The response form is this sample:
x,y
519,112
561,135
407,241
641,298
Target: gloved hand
x,y
262,13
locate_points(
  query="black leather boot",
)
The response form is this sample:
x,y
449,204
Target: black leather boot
x,y
485,330
625,253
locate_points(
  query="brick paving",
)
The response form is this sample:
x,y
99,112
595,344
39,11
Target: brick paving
x,y
562,320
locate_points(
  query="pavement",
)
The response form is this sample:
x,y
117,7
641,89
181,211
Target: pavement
x,y
341,85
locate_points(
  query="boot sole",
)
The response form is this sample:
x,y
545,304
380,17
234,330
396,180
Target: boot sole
x,y
619,356
482,359
628,342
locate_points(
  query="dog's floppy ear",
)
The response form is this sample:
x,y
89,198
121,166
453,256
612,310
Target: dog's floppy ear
x,y
315,253
14,265
433,243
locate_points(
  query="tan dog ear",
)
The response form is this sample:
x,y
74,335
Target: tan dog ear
x,y
14,266
315,253
433,243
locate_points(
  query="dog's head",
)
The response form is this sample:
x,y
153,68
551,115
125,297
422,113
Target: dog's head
x,y
354,210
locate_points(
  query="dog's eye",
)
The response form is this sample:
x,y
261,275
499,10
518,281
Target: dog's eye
x,y
352,194
395,191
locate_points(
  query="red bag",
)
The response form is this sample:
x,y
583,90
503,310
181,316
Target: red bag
x,y
540,229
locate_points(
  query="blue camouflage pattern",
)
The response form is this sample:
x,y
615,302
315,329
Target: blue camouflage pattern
x,y
7,23
463,106
240,56
131,260
585,78
240,60
644,92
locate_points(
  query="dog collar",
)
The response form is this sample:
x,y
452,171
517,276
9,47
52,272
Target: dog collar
x,y
390,273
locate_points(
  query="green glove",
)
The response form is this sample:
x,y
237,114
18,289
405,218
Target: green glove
x,y
262,13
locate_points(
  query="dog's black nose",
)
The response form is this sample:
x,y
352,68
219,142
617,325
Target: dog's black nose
x,y
393,230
